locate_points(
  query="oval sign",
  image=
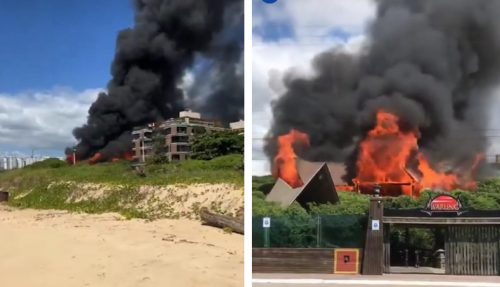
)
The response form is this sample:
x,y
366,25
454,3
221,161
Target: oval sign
x,y
444,202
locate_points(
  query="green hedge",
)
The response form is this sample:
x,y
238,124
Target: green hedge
x,y
346,221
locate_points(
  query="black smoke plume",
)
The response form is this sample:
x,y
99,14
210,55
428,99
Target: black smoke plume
x,y
168,38
433,63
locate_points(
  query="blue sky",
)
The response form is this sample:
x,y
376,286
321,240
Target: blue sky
x,y
271,28
59,42
55,55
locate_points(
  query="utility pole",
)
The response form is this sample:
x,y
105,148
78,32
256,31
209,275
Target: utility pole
x,y
142,149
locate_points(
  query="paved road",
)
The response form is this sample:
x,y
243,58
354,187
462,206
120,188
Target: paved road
x,y
392,280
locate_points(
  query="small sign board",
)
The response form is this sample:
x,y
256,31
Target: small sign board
x,y
346,261
376,225
443,203
266,222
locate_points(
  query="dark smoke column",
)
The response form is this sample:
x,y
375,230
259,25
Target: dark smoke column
x,y
433,63
150,61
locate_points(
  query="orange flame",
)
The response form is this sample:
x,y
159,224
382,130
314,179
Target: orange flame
x,y
433,179
96,158
284,165
70,158
126,156
386,152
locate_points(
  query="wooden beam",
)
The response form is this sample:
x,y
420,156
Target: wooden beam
x,y
442,220
292,260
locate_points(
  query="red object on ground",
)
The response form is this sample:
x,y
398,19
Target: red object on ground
x,y
346,261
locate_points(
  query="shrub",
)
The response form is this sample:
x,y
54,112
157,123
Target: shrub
x,y
215,144
48,163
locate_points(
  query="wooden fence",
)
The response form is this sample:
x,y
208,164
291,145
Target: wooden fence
x,y
472,250
292,260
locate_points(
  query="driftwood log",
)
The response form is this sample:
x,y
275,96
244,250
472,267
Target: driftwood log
x,y
221,221
4,196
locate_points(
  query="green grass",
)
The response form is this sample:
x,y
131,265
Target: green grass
x,y
486,197
218,170
50,184
55,196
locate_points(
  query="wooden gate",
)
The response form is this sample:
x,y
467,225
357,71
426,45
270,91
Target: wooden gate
x,y
472,250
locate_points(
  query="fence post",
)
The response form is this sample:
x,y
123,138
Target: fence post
x,y
318,231
266,238
373,258
266,224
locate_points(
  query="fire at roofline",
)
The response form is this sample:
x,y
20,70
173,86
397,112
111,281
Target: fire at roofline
x,y
411,106
176,135
152,58
387,157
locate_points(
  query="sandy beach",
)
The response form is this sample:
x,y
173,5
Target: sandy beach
x,y
57,248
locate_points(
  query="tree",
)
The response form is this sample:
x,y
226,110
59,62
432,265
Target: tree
x,y
214,144
159,150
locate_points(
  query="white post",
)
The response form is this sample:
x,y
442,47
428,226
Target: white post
x,y
142,150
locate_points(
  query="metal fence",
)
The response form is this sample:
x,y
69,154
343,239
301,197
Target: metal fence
x,y
324,231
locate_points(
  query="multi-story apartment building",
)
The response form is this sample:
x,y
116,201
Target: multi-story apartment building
x,y
177,134
142,140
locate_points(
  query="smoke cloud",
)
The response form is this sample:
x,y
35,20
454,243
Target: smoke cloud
x,y
432,63
167,39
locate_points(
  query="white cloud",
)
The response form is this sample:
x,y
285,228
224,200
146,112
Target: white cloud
x,y
319,17
260,167
314,23
43,119
271,60
314,19
494,125
317,25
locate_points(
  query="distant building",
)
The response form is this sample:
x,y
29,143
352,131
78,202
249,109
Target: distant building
x,y
176,133
142,143
237,126
15,162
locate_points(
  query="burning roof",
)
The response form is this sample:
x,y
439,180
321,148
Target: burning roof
x,y
318,186
389,156
415,98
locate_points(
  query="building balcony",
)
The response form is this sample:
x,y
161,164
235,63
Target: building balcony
x,y
143,148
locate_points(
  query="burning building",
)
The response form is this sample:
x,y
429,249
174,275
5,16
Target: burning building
x,y
408,110
152,59
318,184
176,135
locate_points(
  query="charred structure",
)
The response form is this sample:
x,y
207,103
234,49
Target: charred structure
x,y
318,186
430,64
174,136
152,57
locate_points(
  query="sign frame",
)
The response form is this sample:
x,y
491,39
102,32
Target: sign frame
x,y
444,203
375,225
266,222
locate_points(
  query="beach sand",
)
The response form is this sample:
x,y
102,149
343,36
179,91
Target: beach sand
x,y
57,248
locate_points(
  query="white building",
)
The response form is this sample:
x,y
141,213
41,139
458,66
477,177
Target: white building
x,y
239,125
15,162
